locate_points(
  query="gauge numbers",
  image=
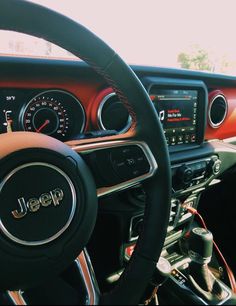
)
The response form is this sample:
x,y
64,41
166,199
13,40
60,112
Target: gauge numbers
x,y
53,113
46,115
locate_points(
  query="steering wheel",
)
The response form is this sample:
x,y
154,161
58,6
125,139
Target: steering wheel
x,y
48,194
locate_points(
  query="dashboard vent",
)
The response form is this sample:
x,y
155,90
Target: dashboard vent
x,y
217,111
113,115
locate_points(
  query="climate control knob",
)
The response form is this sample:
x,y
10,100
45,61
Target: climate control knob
x,y
216,166
185,174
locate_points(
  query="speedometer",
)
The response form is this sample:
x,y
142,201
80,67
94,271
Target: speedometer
x,y
46,116
55,113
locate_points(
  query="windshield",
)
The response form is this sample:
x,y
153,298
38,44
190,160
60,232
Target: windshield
x,y
183,33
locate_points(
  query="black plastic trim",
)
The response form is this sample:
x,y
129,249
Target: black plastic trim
x,y
79,68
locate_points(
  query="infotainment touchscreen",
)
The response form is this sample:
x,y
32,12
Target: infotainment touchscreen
x,y
177,111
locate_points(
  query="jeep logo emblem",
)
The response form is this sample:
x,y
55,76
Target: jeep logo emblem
x,y
53,197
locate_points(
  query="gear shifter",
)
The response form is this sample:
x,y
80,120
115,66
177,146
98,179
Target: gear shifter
x,y
202,281
200,246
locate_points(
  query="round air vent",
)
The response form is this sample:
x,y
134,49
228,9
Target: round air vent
x,y
217,110
113,115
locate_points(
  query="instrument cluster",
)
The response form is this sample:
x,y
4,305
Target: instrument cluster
x,y
56,113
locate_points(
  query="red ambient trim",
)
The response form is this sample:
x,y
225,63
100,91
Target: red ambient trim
x,y
82,90
228,127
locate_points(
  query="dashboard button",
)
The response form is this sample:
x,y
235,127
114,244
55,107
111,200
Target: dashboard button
x,y
216,167
187,138
180,139
173,140
193,138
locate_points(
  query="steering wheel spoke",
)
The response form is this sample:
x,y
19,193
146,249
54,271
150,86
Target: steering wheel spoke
x,y
16,297
118,164
85,279
85,267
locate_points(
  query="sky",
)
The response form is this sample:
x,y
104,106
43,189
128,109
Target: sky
x,y
154,32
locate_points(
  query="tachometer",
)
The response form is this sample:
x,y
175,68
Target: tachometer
x,y
55,113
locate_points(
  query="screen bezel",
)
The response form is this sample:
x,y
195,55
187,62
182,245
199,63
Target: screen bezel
x,y
173,84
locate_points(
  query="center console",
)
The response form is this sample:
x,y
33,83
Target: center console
x,y
191,281
180,105
187,180
195,165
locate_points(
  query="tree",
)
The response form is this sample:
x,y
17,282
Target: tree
x,y
198,59
184,60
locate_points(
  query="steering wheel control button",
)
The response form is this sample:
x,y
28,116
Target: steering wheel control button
x,y
129,162
44,195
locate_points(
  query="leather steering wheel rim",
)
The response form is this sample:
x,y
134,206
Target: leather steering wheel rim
x,y
35,20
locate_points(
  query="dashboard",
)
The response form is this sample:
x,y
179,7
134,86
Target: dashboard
x,y
60,114
71,102
192,107
52,112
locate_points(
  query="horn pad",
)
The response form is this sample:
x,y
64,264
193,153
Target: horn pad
x,y
48,208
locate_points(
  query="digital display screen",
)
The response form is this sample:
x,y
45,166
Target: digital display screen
x,y
177,111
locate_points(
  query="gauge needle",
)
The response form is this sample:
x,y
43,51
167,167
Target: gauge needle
x,y
42,126
9,126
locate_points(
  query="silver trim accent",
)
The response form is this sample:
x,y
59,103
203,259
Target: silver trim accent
x,y
17,297
85,149
23,110
217,125
229,140
195,257
58,234
85,267
99,114
131,227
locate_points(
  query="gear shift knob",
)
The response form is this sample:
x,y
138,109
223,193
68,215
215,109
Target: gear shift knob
x,y
200,245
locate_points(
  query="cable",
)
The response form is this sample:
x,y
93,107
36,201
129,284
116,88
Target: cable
x,y
230,273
